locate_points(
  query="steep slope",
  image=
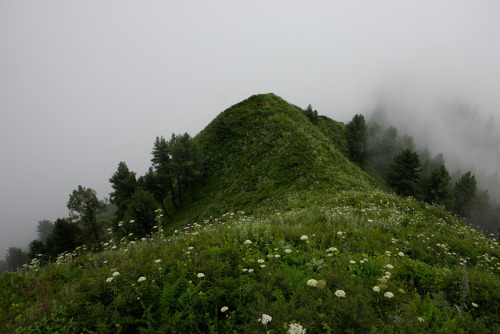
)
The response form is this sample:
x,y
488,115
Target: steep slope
x,y
324,249
265,153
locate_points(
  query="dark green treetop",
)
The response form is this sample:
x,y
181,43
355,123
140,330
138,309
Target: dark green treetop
x,y
464,193
404,172
357,135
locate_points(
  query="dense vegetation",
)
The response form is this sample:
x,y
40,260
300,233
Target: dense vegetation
x,y
262,217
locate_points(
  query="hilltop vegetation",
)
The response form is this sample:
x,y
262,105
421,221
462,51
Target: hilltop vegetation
x,y
281,227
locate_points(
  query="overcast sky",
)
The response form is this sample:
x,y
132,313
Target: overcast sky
x,y
87,84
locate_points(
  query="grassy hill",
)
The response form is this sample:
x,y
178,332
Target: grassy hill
x,y
285,231
264,153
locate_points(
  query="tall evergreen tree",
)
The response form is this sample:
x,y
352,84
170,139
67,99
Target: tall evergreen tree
x,y
162,165
123,183
436,188
357,135
404,172
464,192
187,163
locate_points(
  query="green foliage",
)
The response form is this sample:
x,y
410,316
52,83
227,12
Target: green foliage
x,y
311,114
356,134
141,210
190,277
63,237
84,207
123,183
436,187
464,192
403,173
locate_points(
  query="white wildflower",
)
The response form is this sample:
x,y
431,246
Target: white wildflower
x,y
115,274
224,309
376,288
265,319
388,294
296,329
200,275
247,242
141,279
304,237
312,282
109,279
340,293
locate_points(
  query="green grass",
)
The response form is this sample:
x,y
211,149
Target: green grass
x,y
274,179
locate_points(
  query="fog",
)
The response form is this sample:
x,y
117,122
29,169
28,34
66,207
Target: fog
x,y
87,84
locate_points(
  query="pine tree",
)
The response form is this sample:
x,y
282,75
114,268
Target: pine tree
x,y
464,193
403,173
357,135
436,187
162,165
123,183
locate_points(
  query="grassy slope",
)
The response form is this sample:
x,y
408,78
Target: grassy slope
x,y
267,159
264,153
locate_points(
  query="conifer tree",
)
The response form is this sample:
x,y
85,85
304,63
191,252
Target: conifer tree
x,y
123,183
464,193
356,135
403,173
162,165
436,187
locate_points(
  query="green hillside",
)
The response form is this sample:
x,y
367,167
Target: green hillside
x,y
265,153
286,236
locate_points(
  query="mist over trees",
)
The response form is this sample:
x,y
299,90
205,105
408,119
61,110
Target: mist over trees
x,y
175,173
409,171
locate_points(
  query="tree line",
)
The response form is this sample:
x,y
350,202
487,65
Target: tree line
x,y
177,168
394,160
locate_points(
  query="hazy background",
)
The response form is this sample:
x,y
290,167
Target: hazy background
x,y
86,84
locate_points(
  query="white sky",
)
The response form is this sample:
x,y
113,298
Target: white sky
x,y
87,84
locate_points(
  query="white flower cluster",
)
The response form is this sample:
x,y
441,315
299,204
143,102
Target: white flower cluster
x,y
265,319
312,282
340,293
296,329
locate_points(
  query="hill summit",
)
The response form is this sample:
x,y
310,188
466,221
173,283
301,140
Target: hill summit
x,y
286,236
265,152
